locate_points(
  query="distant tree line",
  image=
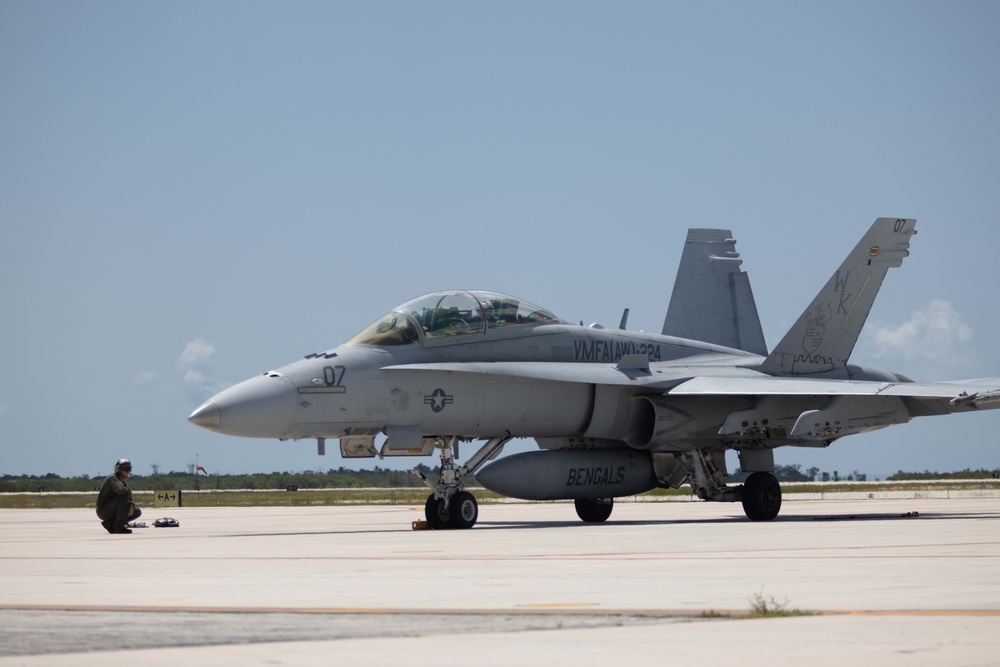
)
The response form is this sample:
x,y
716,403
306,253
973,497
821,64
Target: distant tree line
x,y
341,478
794,473
982,473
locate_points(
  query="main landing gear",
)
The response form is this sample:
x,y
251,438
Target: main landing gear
x,y
451,506
760,494
594,510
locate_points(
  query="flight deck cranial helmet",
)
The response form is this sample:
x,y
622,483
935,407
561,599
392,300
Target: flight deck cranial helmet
x,y
123,464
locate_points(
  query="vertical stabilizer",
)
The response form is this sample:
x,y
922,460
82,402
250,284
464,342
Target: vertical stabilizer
x,y
824,335
712,300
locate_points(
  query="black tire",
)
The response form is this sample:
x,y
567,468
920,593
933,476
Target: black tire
x,y
464,510
437,513
594,510
761,496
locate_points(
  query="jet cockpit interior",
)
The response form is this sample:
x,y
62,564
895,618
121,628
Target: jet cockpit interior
x,y
441,315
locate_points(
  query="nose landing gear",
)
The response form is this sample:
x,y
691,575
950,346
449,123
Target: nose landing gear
x,y
451,506
461,512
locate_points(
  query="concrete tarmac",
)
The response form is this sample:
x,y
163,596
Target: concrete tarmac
x,y
891,582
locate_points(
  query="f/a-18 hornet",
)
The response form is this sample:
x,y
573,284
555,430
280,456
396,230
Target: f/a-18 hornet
x,y
614,412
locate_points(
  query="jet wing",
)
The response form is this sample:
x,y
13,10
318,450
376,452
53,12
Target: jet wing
x,y
677,380
981,393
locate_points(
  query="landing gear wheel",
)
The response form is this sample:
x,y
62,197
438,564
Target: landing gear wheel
x,y
464,510
437,512
594,510
761,496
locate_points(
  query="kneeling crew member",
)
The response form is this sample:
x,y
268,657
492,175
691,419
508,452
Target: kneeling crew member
x,y
114,503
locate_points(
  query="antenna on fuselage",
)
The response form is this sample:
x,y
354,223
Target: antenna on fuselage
x,y
624,319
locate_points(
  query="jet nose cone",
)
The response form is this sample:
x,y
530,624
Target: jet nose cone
x,y
261,407
206,416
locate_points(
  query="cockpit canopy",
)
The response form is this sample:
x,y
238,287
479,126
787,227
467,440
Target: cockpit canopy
x,y
454,313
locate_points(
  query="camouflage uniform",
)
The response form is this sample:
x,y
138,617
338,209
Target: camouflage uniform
x,y
113,504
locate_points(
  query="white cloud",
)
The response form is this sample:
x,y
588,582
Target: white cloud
x,y
195,378
144,377
198,351
199,372
935,333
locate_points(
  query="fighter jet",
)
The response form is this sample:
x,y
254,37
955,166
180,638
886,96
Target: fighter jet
x,y
614,412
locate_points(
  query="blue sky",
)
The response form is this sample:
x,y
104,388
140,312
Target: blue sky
x,y
195,193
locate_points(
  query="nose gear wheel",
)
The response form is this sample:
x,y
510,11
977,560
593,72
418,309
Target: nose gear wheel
x,y
436,511
464,510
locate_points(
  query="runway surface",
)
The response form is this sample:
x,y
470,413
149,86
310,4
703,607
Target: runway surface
x,y
897,582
